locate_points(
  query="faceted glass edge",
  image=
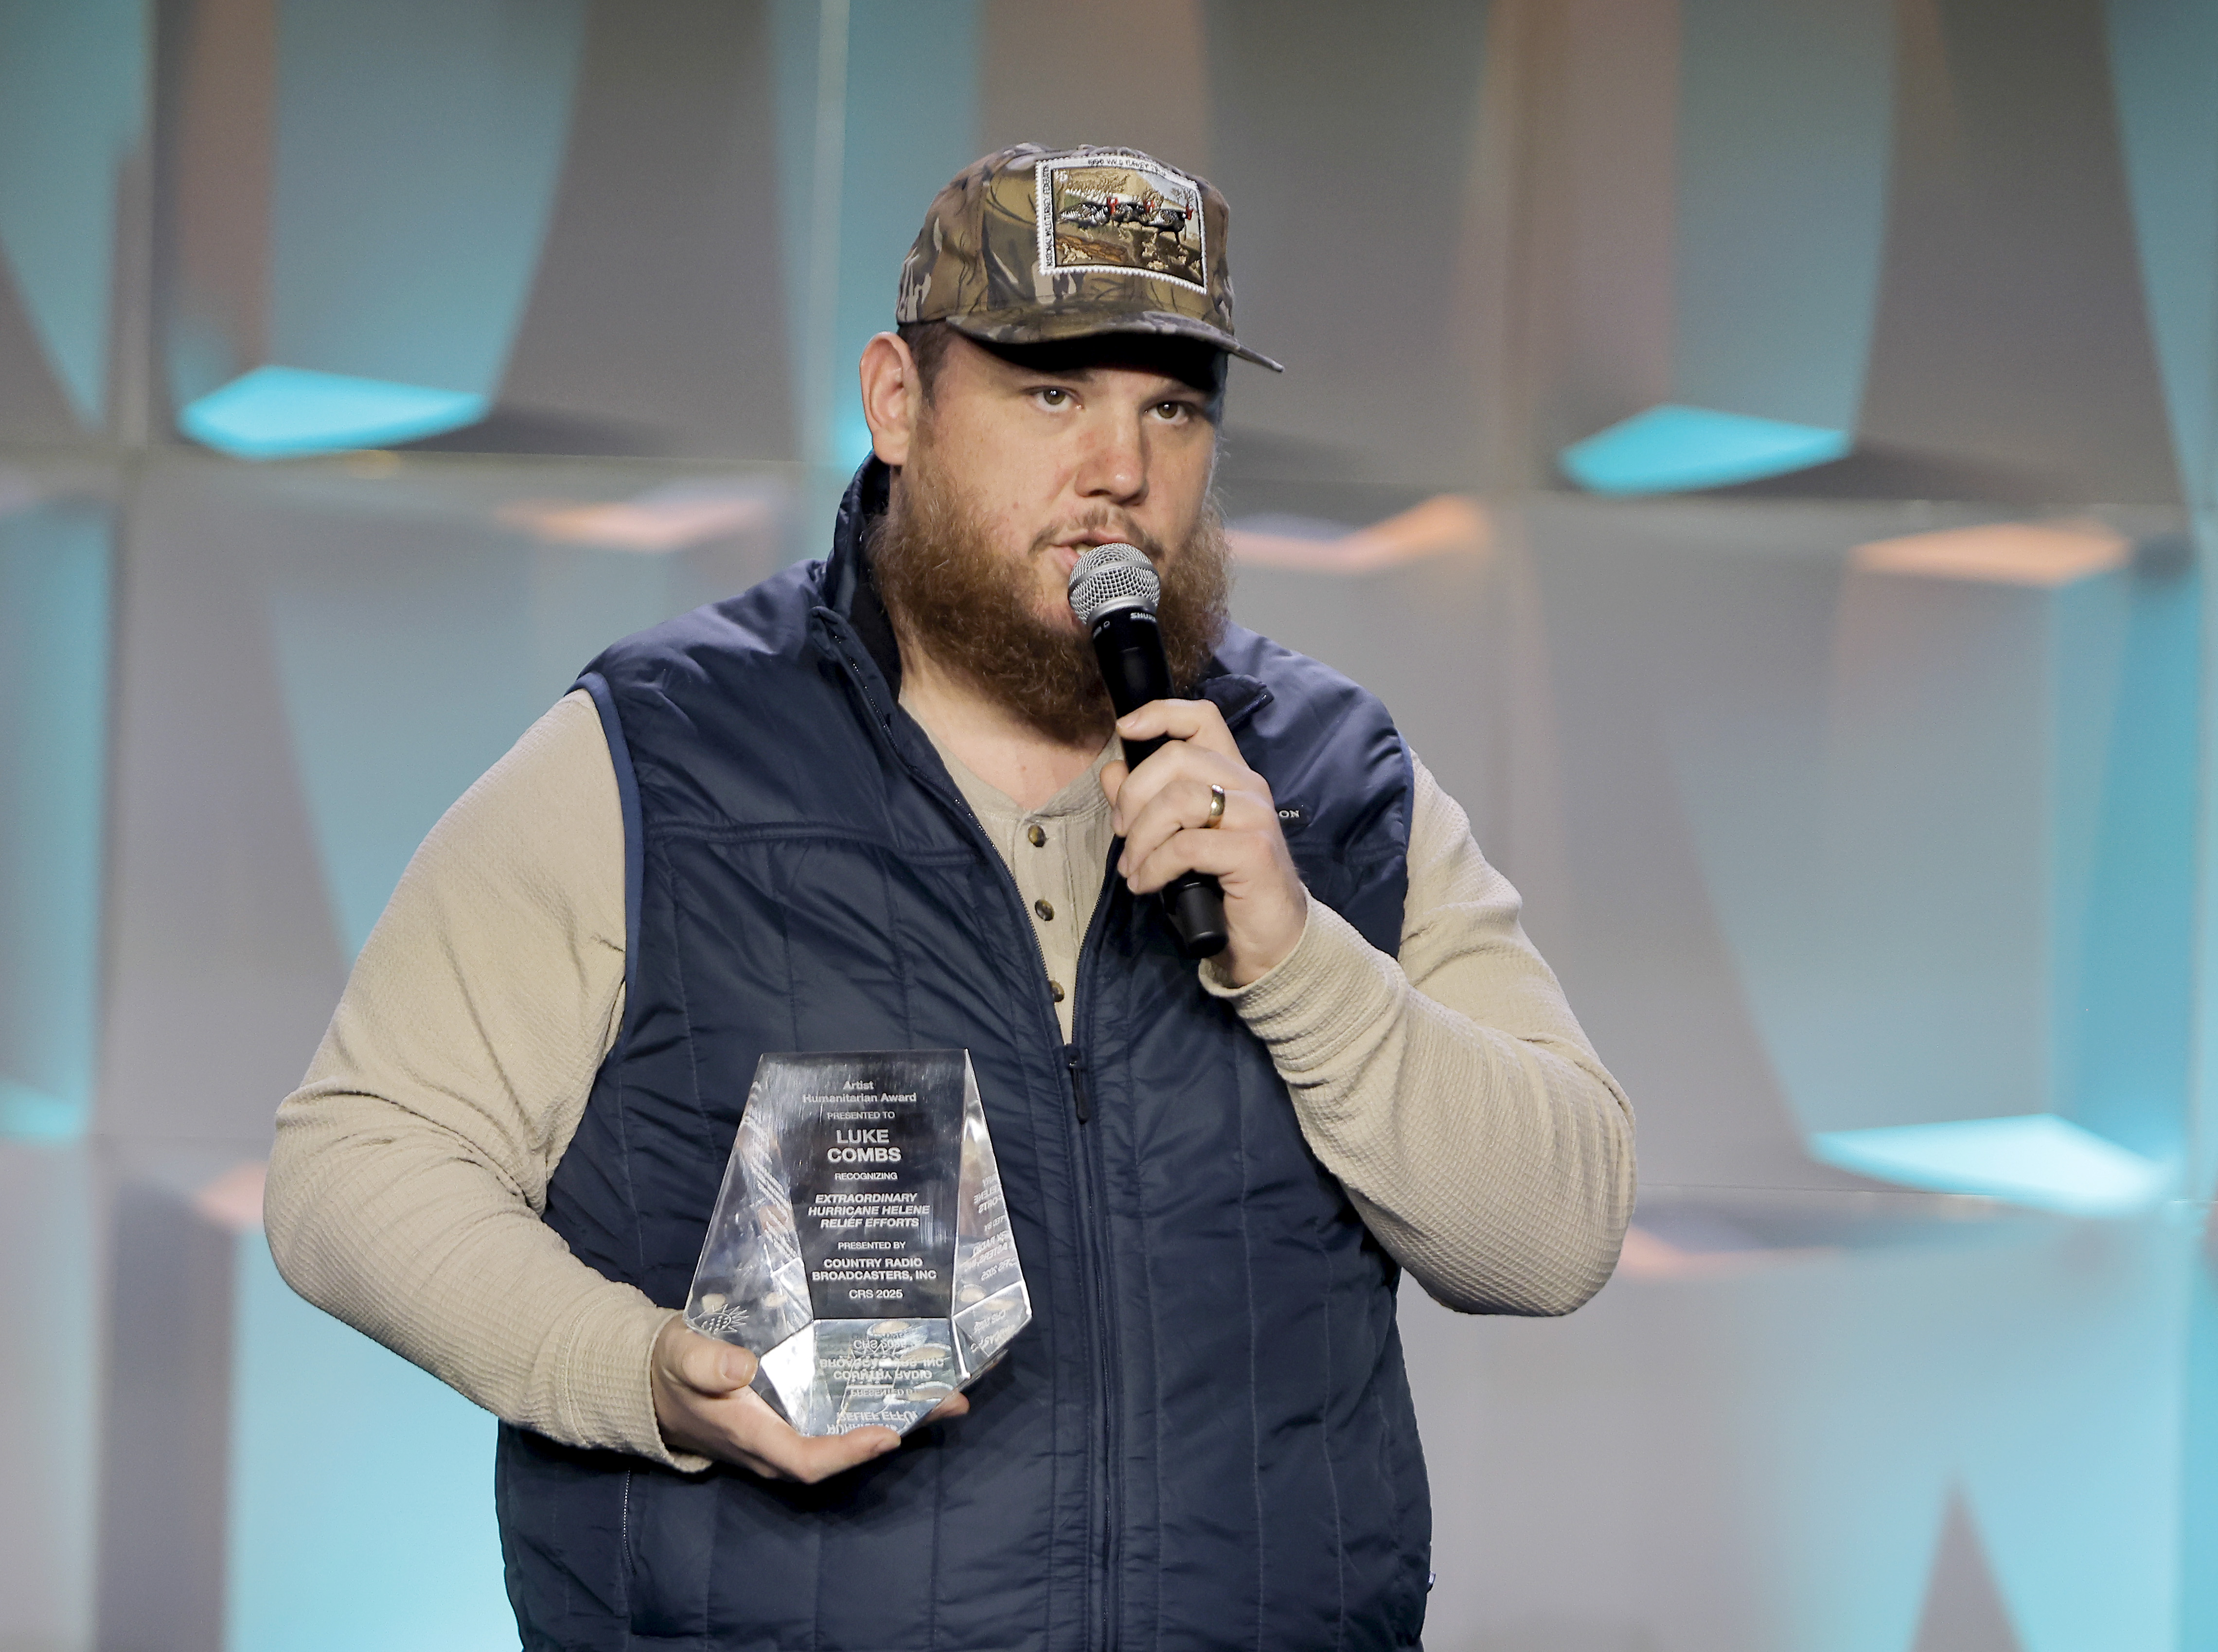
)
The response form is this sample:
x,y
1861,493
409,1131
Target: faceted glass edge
x,y
825,1374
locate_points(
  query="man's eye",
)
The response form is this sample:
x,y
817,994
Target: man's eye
x,y
1050,396
1171,411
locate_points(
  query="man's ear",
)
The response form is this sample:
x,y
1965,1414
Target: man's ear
x,y
892,398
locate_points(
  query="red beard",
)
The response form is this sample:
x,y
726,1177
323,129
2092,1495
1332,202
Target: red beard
x,y
952,593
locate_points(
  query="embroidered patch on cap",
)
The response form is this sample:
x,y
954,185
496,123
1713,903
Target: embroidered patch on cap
x,y
1120,211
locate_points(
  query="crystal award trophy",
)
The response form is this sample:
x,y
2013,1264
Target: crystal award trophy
x,y
860,1248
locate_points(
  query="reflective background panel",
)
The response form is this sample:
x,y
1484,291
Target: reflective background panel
x,y
1761,454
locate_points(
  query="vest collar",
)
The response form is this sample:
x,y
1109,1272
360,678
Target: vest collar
x,y
1238,696
848,589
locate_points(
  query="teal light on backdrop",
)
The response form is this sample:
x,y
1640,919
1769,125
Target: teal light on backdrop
x,y
2198,1524
1938,837
414,645
419,146
2074,1476
860,155
1784,122
1674,449
72,112
1952,852
900,148
54,576
2163,65
808,39
361,1490
406,675
2038,1161
2124,1057
282,412
2029,1370
50,1371
2164,62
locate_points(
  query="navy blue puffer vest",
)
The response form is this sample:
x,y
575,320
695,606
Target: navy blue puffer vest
x,y
1204,1438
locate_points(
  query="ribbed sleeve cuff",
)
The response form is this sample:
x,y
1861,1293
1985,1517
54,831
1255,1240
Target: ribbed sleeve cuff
x,y
1332,990
607,1393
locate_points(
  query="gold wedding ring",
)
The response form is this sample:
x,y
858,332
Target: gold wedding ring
x,y
1216,808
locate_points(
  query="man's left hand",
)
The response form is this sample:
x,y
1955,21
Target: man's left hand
x,y
1161,809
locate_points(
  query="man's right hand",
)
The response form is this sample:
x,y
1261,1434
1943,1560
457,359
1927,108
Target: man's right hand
x,y
704,1404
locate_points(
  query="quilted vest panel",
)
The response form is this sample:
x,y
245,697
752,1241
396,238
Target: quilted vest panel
x,y
1205,1439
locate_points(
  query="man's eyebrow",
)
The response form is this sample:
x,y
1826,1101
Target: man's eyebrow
x,y
1074,373
1169,387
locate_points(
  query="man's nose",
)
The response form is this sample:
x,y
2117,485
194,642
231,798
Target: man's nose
x,y
1115,465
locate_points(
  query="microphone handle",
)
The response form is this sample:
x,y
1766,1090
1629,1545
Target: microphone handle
x,y
1130,649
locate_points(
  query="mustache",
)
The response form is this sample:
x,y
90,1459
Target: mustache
x,y
1106,525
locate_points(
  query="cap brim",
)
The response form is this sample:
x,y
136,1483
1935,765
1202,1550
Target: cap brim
x,y
1029,327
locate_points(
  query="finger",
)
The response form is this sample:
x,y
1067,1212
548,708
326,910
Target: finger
x,y
1113,774
1198,721
1169,862
1183,805
821,1457
1175,814
1180,760
708,1366
1224,856
770,1445
1265,908
954,1406
1238,854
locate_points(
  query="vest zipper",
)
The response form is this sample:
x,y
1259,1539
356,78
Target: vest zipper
x,y
1109,1391
1093,1247
1077,1084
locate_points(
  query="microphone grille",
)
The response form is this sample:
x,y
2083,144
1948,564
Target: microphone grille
x,y
1110,576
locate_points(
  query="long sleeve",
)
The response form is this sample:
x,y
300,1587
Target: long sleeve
x,y
1451,1092
410,1169
1450,1088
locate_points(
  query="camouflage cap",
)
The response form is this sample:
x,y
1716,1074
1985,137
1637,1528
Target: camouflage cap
x,y
1032,245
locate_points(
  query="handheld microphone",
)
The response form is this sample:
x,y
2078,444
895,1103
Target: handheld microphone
x,y
1113,590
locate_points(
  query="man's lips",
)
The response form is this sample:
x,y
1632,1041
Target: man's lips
x,y
1068,551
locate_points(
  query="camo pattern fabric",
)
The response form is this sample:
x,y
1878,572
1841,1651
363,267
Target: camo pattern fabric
x,y
1033,244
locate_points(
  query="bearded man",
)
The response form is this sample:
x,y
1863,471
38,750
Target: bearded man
x,y
878,802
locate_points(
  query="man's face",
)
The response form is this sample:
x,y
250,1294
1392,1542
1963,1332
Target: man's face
x,y
1006,477
1048,463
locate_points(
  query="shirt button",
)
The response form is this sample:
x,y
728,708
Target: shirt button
x,y
1034,836
1055,991
1045,911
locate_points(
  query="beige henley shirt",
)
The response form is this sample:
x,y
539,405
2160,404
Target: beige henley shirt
x,y
1448,1087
